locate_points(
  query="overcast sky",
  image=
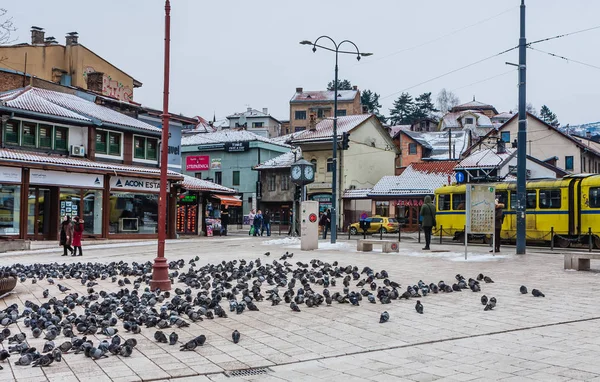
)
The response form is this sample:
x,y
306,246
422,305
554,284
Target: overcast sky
x,y
227,55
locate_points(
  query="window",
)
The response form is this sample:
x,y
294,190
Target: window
x,y
299,128
505,136
218,177
531,199
145,148
10,207
341,113
271,182
45,137
412,148
382,209
458,202
11,133
300,114
320,113
101,145
29,134
329,164
61,141
444,202
285,182
236,178
569,163
137,213
468,121
198,175
594,197
257,124
550,199
114,143
502,197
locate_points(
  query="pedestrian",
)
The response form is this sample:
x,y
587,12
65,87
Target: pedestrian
x,y
251,217
428,220
499,219
325,222
224,219
291,222
258,222
266,223
66,235
77,233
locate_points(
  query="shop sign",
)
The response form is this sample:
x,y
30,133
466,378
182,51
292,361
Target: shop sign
x,y
71,179
319,185
215,164
321,198
10,174
382,203
188,199
197,163
129,183
237,147
409,202
174,153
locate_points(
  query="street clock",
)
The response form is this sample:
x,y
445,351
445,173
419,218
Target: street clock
x,y
303,172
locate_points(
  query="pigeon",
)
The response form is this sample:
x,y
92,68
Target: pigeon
x,y
200,340
126,351
160,337
43,361
487,279
488,307
235,336
523,289
493,302
48,346
484,300
25,360
173,338
419,307
62,288
537,293
65,346
267,253
385,317
294,306
4,354
480,277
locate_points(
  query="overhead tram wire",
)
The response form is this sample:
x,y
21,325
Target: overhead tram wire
x,y
565,58
484,80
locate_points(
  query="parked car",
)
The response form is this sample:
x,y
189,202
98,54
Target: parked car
x,y
378,224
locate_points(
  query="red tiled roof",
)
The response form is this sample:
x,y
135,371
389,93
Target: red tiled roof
x,y
324,129
25,157
442,166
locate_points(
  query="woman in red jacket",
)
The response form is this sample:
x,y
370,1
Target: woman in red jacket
x,y
77,233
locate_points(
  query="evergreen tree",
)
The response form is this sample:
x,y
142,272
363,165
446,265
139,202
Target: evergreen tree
x,y
370,100
403,110
342,85
548,116
423,107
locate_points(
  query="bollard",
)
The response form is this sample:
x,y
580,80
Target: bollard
x,y
441,231
380,233
399,233
552,238
349,233
364,234
590,239
419,234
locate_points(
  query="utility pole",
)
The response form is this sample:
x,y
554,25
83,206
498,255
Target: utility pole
x,y
522,141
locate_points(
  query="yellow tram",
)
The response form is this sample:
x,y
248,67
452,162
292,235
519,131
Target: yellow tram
x,y
569,207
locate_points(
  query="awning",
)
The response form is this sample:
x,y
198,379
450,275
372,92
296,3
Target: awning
x,y
228,200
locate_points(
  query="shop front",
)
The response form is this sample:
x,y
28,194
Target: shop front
x,y
10,202
324,200
408,212
187,212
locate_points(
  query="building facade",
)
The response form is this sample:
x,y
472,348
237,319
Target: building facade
x,y
307,108
258,122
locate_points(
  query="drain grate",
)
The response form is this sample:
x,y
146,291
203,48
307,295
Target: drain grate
x,y
248,372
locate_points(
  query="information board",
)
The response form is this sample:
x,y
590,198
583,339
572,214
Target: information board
x,y
480,208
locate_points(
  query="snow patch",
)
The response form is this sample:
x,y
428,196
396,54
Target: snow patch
x,y
458,256
284,241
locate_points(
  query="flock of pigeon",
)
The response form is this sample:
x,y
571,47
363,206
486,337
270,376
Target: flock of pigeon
x,y
83,318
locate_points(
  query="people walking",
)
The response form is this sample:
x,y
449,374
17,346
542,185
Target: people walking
x,y
66,235
77,234
325,222
266,226
224,219
258,222
251,217
499,219
428,220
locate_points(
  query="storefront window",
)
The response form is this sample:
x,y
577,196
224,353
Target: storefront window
x,y
382,208
10,206
133,213
70,202
92,212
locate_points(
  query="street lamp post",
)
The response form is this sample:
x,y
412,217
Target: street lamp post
x,y
337,51
160,269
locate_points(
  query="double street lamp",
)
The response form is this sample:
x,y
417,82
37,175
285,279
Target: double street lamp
x,y
337,51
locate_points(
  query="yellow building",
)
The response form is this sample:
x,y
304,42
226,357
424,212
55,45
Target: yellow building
x,y
71,64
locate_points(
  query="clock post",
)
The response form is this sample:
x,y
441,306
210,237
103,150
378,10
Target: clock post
x,y
302,173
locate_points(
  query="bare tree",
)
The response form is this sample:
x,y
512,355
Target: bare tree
x,y
446,100
6,27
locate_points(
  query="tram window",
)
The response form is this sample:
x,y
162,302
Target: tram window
x,y
550,199
443,202
594,197
531,199
502,197
513,200
458,202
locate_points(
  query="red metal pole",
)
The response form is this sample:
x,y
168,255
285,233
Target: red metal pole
x,y
160,269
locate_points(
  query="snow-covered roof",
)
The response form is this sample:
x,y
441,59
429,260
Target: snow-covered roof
x,y
224,136
359,193
417,179
284,160
323,96
250,113
69,106
456,120
195,184
437,142
503,116
474,105
488,158
397,128
324,129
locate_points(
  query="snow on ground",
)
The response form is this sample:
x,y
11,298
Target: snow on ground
x,y
285,241
458,256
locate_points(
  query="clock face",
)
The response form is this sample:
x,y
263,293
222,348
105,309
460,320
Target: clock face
x,y
309,173
296,172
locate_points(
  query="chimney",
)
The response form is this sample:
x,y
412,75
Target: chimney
x,y
501,147
354,87
94,81
72,38
37,36
50,41
248,109
298,90
265,110
365,109
312,122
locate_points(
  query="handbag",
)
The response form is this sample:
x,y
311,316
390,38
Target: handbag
x,y
251,231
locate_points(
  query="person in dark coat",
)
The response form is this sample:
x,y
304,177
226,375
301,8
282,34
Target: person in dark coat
x,y
499,219
77,234
224,219
325,222
66,235
428,220
266,223
258,222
